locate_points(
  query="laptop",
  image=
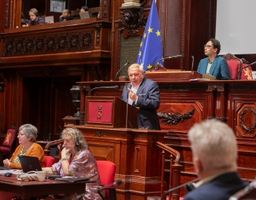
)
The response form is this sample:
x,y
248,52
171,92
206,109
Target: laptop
x,y
84,15
49,19
29,163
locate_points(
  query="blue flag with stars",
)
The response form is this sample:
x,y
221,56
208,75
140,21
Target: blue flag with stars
x,y
151,50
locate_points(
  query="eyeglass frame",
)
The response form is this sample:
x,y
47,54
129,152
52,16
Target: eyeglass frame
x,y
208,46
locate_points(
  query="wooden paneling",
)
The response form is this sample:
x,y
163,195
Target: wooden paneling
x,y
184,103
135,154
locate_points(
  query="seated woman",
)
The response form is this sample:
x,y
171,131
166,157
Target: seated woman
x,y
77,160
27,146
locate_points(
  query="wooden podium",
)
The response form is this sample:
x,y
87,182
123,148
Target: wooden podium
x,y
109,111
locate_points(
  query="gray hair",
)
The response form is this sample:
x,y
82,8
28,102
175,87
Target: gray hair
x,y
135,65
214,143
77,136
30,131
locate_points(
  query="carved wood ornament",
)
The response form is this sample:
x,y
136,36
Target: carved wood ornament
x,y
133,20
174,118
74,41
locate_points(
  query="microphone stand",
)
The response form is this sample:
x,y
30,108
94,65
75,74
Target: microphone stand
x,y
240,70
158,65
178,187
103,87
127,107
118,72
192,65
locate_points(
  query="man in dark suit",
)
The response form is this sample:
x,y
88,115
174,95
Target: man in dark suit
x,y
142,93
213,65
214,150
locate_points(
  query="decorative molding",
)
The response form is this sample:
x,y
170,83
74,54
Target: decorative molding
x,y
216,87
175,118
241,119
97,29
133,19
242,86
49,43
99,134
183,87
105,8
2,82
223,119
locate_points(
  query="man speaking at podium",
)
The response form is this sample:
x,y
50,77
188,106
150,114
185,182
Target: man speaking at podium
x,y
142,93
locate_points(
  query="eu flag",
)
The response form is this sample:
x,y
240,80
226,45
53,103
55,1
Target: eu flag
x,y
151,50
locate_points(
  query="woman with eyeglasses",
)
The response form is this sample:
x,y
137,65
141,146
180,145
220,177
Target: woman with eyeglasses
x,y
27,146
213,65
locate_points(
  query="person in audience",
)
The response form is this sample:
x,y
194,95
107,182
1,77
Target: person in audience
x,y
214,150
27,146
84,9
66,15
144,94
213,64
24,21
76,160
35,19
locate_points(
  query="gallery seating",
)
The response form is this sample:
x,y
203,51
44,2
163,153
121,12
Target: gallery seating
x,y
6,148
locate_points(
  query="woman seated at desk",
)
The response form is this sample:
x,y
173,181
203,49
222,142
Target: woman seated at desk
x,y
27,139
77,160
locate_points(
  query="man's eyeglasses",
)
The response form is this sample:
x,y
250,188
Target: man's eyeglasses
x,y
208,46
136,74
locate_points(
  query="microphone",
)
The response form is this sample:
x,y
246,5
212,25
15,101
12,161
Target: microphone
x,y
240,70
114,184
192,65
187,186
118,72
164,58
103,87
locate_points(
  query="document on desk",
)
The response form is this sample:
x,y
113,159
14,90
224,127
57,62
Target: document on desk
x,y
13,171
72,179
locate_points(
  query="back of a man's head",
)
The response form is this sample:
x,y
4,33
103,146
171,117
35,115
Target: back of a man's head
x,y
214,144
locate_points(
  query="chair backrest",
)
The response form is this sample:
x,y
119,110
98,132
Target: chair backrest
x,y
246,73
75,14
9,138
107,170
234,65
48,161
247,193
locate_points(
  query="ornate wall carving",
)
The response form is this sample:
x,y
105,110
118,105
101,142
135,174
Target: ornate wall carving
x,y
49,43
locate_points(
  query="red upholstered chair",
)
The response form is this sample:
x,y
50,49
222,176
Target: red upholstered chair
x,y
6,148
107,170
48,161
234,64
246,73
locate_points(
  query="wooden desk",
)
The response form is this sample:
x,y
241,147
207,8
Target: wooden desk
x,y
182,104
27,189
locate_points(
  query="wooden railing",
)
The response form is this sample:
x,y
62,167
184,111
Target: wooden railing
x,y
175,168
50,144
